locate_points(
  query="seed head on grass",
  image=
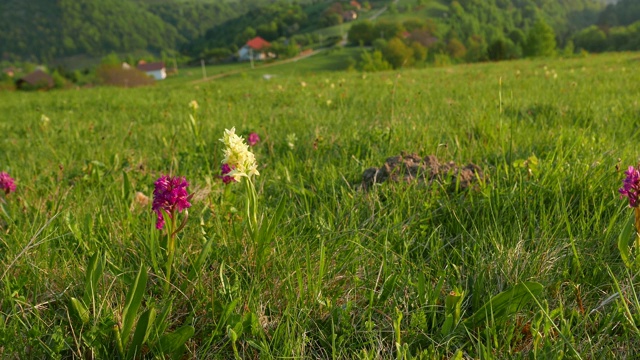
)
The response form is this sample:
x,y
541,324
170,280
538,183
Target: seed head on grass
x,y
170,194
240,160
7,184
631,187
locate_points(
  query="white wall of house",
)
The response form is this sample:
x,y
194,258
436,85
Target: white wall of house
x,y
244,54
158,74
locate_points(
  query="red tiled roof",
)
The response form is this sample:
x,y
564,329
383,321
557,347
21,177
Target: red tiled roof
x,y
151,66
258,43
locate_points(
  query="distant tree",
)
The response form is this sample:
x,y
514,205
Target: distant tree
x,y
518,37
456,49
398,54
388,29
361,32
541,40
414,24
248,34
419,52
592,39
498,50
332,19
59,82
379,44
373,61
111,59
476,49
217,54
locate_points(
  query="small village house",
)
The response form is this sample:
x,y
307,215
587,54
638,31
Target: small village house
x,y
349,16
356,5
157,70
35,80
256,49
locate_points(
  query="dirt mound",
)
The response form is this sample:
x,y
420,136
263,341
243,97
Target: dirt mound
x,y
412,167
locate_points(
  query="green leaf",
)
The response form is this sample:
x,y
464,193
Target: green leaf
x,y
126,186
197,266
141,334
505,304
132,302
170,343
161,324
92,276
80,310
387,288
625,240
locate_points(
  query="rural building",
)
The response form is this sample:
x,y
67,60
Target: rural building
x,y
256,48
356,5
156,70
36,80
349,15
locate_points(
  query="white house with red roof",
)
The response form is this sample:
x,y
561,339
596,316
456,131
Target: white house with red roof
x,y
256,48
156,70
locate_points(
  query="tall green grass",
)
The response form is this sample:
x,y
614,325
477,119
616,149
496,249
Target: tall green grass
x,y
348,273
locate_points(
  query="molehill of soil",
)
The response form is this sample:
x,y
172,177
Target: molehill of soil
x,y
411,167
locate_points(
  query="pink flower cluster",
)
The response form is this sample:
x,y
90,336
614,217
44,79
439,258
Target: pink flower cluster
x,y
170,194
631,187
253,139
7,184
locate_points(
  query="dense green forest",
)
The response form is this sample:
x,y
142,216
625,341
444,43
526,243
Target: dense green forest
x,y
469,30
42,30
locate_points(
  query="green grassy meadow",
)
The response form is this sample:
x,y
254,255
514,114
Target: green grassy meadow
x,y
400,271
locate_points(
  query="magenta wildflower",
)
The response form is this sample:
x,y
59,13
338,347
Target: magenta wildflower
x,y
170,195
225,169
631,187
7,183
253,139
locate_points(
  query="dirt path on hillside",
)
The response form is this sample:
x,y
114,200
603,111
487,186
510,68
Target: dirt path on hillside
x,y
264,66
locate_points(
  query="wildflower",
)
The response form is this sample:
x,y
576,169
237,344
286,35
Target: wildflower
x,y
253,139
631,187
44,119
291,140
225,169
329,102
241,161
7,183
170,195
193,105
303,84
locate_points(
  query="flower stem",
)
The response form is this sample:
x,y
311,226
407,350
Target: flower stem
x,y
171,249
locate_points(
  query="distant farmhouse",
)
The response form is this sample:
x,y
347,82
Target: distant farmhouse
x,y
256,48
156,70
349,16
36,80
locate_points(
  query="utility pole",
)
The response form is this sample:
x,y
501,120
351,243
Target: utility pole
x,y
251,55
204,70
175,65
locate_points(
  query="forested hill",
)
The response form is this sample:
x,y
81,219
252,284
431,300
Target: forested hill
x,y
41,30
495,18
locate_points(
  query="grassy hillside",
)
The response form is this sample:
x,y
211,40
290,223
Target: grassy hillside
x,y
396,271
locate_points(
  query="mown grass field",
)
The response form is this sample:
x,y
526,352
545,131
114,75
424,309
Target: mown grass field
x,y
399,271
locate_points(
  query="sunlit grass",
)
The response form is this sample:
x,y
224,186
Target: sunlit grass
x,y
348,273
